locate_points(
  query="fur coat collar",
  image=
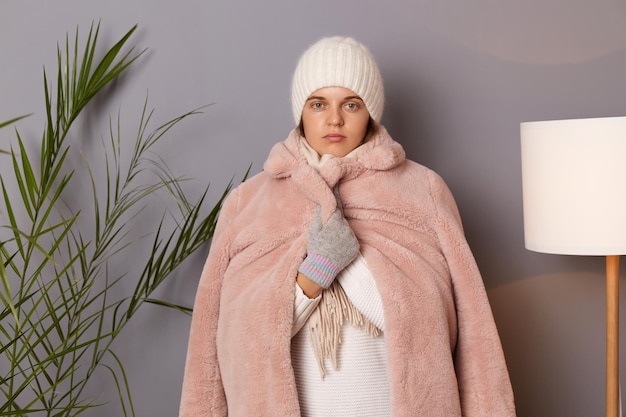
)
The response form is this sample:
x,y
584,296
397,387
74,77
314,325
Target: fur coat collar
x,y
444,353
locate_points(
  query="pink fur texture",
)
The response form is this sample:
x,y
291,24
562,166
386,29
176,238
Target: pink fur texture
x,y
444,354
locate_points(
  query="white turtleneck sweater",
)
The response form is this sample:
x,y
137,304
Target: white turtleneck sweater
x,y
359,387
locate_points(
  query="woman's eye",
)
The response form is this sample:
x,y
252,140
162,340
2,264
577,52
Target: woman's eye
x,y
352,106
317,106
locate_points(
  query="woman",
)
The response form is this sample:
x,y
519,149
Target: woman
x,y
339,281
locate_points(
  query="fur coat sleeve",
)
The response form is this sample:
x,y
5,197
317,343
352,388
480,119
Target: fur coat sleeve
x,y
484,387
202,392
443,350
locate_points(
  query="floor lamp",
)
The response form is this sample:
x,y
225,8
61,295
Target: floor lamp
x,y
574,198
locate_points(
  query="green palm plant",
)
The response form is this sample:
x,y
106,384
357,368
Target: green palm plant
x,y
60,302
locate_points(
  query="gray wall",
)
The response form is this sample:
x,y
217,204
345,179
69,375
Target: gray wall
x,y
459,77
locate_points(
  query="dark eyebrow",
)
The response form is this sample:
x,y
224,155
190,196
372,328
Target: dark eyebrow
x,y
324,98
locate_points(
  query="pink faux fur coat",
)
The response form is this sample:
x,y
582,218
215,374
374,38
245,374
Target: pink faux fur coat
x,y
444,353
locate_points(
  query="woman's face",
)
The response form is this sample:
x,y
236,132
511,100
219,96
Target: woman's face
x,y
334,121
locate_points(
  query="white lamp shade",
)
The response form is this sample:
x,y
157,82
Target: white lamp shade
x,y
574,186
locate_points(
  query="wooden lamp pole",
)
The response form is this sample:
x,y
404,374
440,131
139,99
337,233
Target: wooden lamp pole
x,y
612,336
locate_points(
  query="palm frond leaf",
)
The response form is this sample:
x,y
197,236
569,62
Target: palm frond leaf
x,y
61,307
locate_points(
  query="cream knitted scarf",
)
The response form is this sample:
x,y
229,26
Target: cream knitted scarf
x,y
326,321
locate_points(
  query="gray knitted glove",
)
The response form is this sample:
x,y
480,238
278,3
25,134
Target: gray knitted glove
x,y
331,247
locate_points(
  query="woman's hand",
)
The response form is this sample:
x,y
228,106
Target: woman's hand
x,y
310,288
331,247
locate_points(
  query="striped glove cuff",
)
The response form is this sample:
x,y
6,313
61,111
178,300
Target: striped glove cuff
x,y
319,269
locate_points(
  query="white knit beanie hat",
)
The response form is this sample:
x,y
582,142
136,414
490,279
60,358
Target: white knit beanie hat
x,y
338,62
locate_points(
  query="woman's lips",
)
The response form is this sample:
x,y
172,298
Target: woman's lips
x,y
334,137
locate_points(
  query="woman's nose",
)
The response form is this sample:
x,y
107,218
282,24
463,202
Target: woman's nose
x,y
334,117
